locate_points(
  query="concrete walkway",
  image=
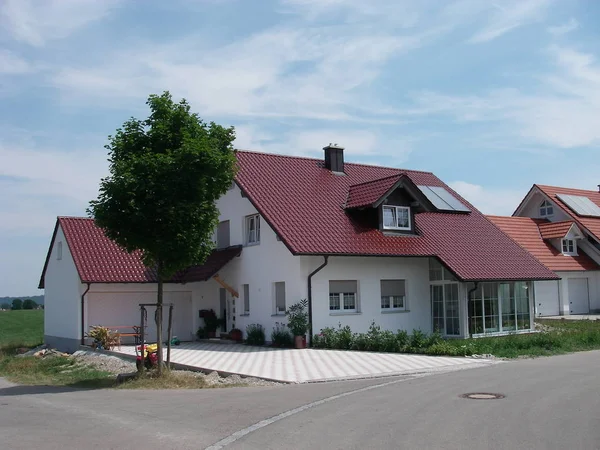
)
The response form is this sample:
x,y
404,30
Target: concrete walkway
x,y
573,317
308,365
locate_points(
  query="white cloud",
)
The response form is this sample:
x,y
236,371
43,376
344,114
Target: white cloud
x,y
509,15
37,21
493,201
11,64
565,28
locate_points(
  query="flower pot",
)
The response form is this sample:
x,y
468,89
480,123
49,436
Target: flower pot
x,y
235,335
211,334
300,341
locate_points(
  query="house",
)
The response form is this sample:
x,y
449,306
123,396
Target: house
x,y
362,243
561,228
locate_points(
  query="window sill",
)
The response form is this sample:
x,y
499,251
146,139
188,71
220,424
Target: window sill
x,y
245,314
278,315
395,311
252,244
342,313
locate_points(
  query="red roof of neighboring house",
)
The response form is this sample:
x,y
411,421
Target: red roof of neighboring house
x,y
98,259
555,230
365,194
592,224
526,232
304,203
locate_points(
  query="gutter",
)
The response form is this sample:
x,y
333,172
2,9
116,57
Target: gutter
x,y
83,314
310,314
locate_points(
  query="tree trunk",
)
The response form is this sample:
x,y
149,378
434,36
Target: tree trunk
x,y
159,319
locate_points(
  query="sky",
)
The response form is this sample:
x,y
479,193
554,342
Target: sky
x,y
490,96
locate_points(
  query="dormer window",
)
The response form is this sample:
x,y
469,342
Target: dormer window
x,y
396,217
569,247
546,209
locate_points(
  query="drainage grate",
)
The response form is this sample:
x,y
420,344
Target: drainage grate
x,y
482,396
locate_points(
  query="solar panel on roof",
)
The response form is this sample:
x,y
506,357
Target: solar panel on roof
x,y
442,199
582,206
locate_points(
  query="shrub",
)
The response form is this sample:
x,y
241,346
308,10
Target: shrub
x,y
103,338
255,334
402,340
201,333
443,348
417,341
281,336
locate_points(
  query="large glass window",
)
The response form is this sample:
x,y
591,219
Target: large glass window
x,y
445,308
499,307
437,272
396,217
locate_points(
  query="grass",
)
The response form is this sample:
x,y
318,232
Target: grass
x,y
562,336
170,380
21,328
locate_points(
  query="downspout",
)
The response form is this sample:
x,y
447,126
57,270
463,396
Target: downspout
x,y
83,314
469,301
310,315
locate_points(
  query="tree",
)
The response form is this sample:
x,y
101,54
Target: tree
x,y
17,304
29,304
5,306
166,173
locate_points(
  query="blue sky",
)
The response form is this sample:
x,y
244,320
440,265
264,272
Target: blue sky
x,y
490,96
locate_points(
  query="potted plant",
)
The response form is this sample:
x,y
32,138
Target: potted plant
x,y
235,335
201,333
298,322
211,323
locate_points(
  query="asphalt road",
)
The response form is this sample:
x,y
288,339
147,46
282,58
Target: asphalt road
x,y
550,403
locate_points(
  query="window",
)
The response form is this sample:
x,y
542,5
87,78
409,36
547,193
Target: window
x,y
393,295
246,289
569,247
546,209
59,250
223,234
499,307
343,296
396,217
437,272
253,229
280,297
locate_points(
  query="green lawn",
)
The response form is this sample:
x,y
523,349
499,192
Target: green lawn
x,y
21,328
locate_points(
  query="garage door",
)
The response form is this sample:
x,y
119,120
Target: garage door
x,y
122,309
579,302
546,298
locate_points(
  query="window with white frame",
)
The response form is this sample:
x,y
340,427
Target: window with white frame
x,y
59,250
393,295
396,217
569,247
546,209
253,229
280,297
246,290
343,296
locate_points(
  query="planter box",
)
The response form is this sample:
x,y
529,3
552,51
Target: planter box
x,y
300,341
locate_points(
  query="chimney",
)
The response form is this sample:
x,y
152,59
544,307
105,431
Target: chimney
x,y
334,158
599,188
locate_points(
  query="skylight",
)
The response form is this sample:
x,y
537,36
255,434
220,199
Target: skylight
x,y
442,199
582,206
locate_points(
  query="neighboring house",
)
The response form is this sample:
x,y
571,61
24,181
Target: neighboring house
x,y
561,228
363,243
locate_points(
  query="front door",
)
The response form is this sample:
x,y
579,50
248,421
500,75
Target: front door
x,y
445,308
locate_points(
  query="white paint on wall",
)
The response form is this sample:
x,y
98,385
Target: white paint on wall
x,y
547,298
62,293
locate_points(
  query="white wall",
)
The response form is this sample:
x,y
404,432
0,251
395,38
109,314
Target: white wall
x,y
532,209
259,266
62,295
368,271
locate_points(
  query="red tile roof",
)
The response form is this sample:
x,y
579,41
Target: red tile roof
x,y
526,232
304,203
98,259
365,194
555,230
592,224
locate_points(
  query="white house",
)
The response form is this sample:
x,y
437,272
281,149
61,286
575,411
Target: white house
x,y
362,243
561,228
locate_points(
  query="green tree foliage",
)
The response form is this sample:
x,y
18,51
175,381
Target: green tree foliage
x,y
5,306
166,173
29,304
17,303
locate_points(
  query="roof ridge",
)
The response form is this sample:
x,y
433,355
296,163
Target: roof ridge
x,y
75,217
568,188
257,152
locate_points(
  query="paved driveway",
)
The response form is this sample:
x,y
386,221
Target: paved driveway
x,y
308,365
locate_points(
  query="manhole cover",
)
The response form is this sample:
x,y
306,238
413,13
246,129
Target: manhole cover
x,y
482,396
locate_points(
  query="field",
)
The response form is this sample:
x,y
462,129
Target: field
x,y
23,328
